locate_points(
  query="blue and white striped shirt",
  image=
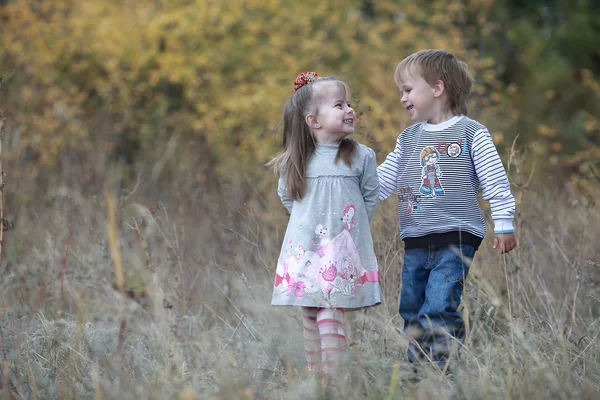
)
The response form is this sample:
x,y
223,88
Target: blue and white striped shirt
x,y
437,171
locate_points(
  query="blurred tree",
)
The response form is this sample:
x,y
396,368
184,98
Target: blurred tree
x,y
547,52
196,87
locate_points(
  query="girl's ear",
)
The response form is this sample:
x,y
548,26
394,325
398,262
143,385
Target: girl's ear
x,y
312,122
438,88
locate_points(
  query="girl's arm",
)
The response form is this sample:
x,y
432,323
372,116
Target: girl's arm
x,y
388,172
283,193
369,183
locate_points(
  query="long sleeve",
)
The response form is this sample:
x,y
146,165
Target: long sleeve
x,y
388,172
369,183
494,183
282,191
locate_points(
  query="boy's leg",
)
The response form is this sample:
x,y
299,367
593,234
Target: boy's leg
x,y
333,339
412,296
312,338
439,315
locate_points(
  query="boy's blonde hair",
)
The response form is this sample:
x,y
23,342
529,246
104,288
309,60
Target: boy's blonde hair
x,y
434,65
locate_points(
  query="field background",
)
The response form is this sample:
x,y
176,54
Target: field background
x,y
145,227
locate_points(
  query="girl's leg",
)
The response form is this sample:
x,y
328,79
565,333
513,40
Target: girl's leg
x,y
333,339
312,339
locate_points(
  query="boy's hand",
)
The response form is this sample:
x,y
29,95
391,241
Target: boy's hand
x,y
506,241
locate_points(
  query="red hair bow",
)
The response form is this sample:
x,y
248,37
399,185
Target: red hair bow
x,y
305,78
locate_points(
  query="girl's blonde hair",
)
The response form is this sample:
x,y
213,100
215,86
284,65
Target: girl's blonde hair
x,y
434,65
298,142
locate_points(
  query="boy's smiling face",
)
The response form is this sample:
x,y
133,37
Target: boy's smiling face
x,y
418,97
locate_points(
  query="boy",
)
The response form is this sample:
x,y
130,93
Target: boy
x,y
436,168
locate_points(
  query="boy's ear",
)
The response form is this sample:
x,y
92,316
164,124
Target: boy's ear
x,y
312,122
438,88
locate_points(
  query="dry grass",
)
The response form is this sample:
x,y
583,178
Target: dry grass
x,y
171,300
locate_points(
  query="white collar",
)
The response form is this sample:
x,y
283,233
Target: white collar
x,y
443,125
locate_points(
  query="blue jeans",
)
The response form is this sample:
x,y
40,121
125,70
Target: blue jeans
x,y
432,284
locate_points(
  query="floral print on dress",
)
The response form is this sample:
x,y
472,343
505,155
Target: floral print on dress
x,y
348,217
334,267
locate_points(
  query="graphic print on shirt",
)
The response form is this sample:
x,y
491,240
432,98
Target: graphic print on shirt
x,y
411,197
430,185
430,173
333,267
452,149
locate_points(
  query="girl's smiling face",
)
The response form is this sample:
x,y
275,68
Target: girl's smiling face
x,y
334,118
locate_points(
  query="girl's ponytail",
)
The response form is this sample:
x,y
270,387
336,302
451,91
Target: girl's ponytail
x,y
298,143
346,151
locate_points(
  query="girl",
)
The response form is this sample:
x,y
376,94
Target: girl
x,y
329,185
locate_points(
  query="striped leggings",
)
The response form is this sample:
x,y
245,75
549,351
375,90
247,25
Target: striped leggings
x,y
324,339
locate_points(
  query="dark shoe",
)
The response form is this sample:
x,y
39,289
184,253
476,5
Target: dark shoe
x,y
415,377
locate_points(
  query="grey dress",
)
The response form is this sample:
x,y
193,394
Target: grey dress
x,y
327,258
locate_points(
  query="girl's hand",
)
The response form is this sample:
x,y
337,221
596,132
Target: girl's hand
x,y
506,241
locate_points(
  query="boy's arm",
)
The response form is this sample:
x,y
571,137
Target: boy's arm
x,y
388,172
493,181
369,183
283,193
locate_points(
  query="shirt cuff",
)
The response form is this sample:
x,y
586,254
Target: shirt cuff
x,y
503,226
